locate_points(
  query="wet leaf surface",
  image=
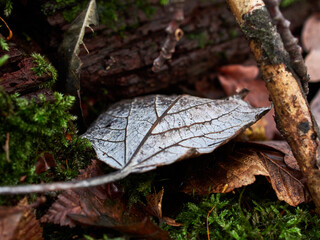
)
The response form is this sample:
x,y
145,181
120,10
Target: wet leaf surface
x,y
19,222
147,132
272,159
97,207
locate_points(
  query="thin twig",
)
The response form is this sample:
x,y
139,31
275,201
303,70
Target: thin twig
x,y
91,182
6,147
174,35
207,221
289,41
10,32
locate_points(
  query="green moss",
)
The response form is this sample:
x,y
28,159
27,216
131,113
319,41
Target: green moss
x,y
142,186
4,46
202,39
230,220
287,3
164,2
105,237
111,13
36,126
7,7
44,67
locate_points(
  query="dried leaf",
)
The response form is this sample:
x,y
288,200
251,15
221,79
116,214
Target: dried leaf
x,y
19,222
72,40
233,78
69,202
45,162
312,63
272,159
154,203
95,207
310,33
141,134
154,207
315,107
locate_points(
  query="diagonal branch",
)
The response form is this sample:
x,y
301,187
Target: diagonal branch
x,y
293,116
289,41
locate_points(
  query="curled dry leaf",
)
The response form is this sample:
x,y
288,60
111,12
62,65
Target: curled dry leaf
x,y
310,33
70,47
19,222
97,207
141,134
272,159
233,78
154,207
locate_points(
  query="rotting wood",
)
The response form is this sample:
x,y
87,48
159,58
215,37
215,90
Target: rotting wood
x,y
293,116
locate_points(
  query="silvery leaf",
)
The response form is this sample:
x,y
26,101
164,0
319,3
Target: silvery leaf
x,y
151,131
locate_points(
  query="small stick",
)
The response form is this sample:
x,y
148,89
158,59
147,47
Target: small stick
x,y
289,41
174,35
293,116
207,221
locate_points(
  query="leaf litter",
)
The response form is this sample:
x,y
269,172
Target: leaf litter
x,y
97,207
239,167
19,222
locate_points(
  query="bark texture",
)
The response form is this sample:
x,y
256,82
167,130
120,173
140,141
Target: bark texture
x,y
121,67
293,116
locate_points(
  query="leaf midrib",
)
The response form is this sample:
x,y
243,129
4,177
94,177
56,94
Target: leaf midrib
x,y
152,127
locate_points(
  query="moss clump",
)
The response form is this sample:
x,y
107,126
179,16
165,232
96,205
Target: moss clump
x,y
229,220
202,38
111,13
4,46
7,7
29,128
44,67
287,3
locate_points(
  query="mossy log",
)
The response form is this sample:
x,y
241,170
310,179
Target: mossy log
x,y
119,64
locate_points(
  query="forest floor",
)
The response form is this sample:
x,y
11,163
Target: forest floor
x,y
251,187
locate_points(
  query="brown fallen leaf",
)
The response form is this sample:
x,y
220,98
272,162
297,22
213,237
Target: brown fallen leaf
x,y
19,222
69,202
101,207
310,33
272,159
312,62
44,162
233,78
315,107
154,207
